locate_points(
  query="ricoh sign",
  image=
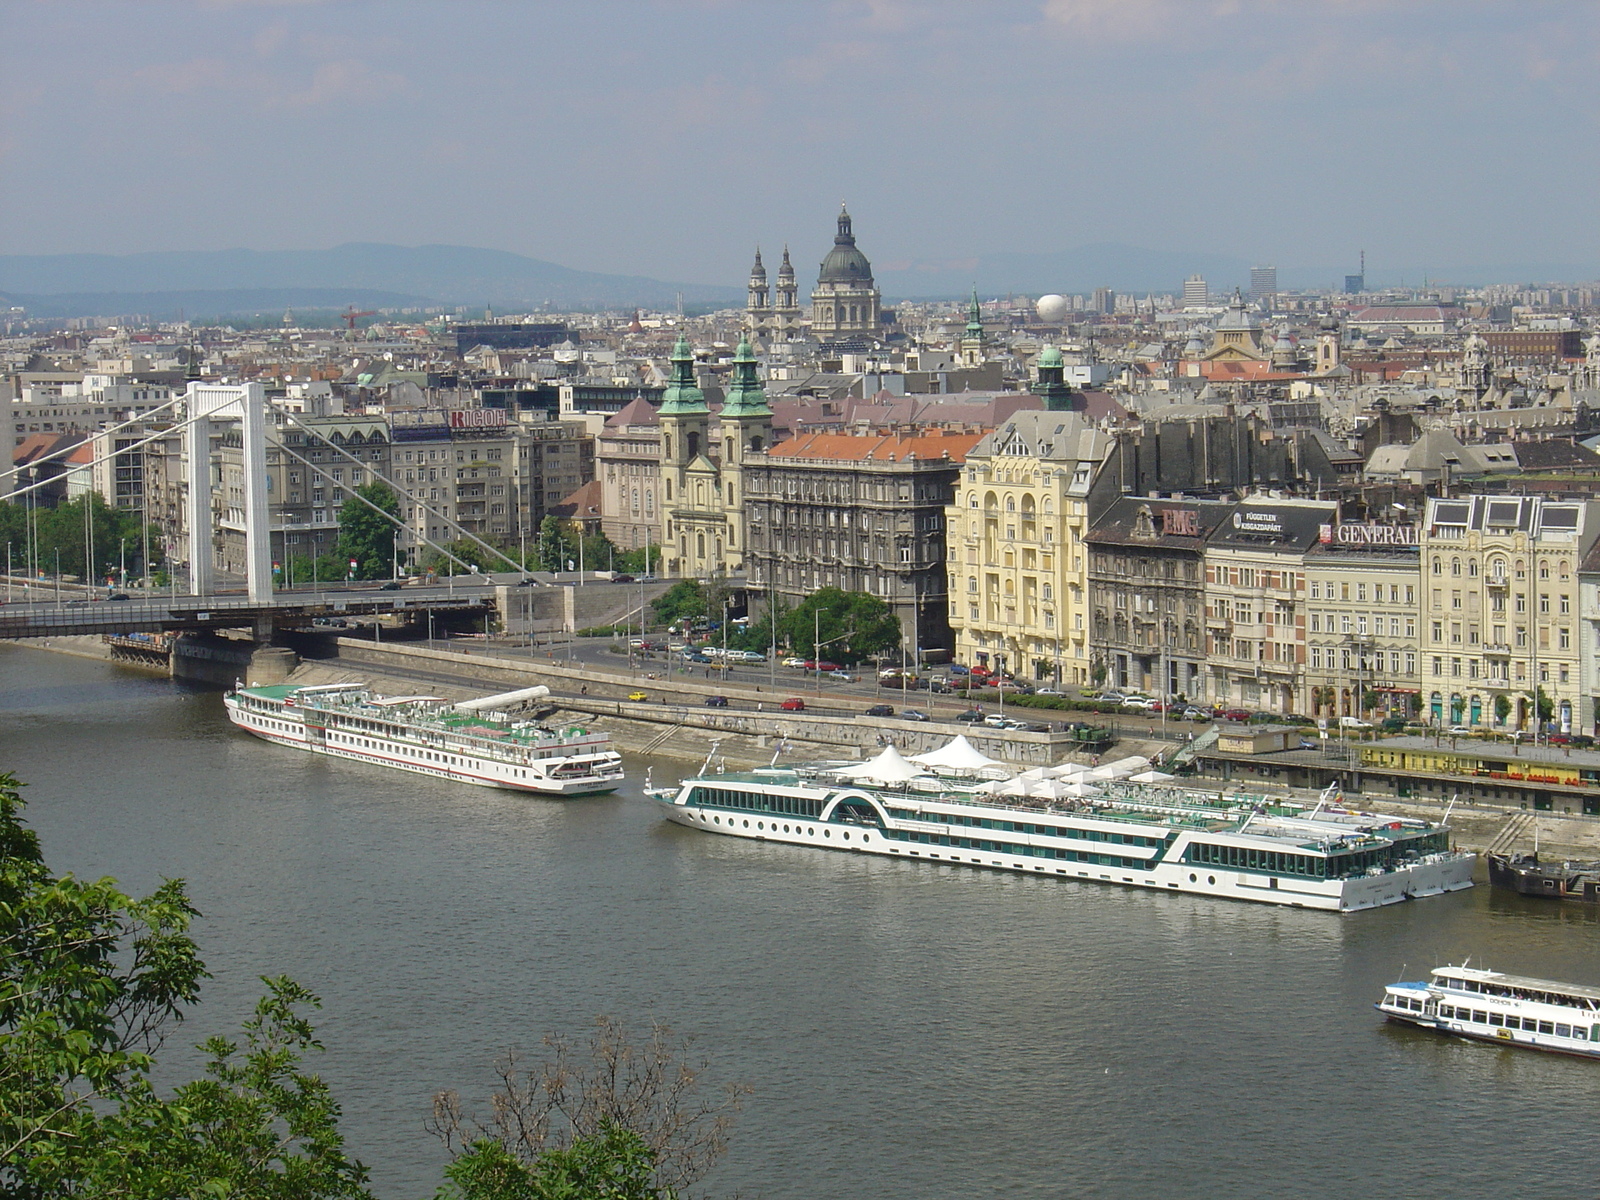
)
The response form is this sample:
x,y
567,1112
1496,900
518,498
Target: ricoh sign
x,y
477,418
1370,535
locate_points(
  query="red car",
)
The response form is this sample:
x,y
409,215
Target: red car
x,y
1235,714
793,704
981,672
828,666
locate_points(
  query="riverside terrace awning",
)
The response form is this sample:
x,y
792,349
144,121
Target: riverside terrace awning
x,y
890,766
958,755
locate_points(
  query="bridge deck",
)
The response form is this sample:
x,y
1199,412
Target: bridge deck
x,y
152,613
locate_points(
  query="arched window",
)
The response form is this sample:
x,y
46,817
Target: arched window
x,y
1565,569
756,443
1438,565
1455,566
1011,503
1472,568
1544,568
694,443
700,545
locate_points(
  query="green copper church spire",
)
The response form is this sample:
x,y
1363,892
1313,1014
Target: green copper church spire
x,y
975,318
746,397
682,396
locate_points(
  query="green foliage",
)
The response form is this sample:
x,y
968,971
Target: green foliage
x,y
89,980
367,536
1502,707
615,1164
849,626
104,541
685,599
1547,706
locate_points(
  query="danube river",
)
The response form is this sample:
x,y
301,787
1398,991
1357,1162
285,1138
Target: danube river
x,y
910,1031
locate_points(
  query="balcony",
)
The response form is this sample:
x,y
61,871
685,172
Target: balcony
x,y
1497,581
1501,648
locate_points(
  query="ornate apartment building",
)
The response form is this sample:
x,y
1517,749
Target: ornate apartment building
x,y
1017,558
860,512
628,465
1147,595
1256,602
1361,622
1499,608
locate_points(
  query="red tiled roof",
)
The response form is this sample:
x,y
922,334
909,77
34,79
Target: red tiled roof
x,y
881,447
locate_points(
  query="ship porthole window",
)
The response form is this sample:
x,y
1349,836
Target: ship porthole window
x,y
866,837
747,824
1191,879
812,832
1211,878
786,829
847,837
760,825
827,833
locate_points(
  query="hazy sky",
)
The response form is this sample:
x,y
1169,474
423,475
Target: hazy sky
x,y
667,138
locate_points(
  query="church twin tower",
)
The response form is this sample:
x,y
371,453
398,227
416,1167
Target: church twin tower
x,y
845,305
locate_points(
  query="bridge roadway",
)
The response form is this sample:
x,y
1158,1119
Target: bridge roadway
x,y
153,612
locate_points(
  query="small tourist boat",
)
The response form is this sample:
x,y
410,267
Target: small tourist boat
x,y
1509,1010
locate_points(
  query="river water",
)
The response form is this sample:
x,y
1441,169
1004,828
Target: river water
x,y
910,1030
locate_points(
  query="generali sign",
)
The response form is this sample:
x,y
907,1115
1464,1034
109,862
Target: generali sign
x,y
1370,535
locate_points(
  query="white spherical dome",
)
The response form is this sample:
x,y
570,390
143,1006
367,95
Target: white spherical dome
x,y
1052,307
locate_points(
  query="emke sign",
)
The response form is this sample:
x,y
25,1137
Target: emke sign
x,y
1180,522
1370,535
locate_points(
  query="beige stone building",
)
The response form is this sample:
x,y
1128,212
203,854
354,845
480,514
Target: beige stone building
x,y
1256,592
1017,564
1499,608
1362,653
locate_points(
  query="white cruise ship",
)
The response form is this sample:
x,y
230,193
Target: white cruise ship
x,y
1242,844
1509,1010
476,741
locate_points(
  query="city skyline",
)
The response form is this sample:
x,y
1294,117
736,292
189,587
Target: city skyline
x,y
1257,131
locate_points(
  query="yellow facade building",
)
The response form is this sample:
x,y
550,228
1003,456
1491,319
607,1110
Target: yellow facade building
x,y
1018,577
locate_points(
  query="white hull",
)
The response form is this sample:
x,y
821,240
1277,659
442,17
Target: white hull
x,y
454,765
1426,878
1525,1014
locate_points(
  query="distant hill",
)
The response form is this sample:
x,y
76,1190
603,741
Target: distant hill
x,y
447,275
207,304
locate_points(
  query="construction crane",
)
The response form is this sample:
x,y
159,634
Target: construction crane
x,y
351,316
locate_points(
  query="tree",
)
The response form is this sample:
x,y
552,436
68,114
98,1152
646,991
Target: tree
x,y
1502,707
850,626
90,979
365,534
623,1110
685,599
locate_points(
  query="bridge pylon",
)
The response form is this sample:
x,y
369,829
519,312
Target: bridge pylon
x,y
246,403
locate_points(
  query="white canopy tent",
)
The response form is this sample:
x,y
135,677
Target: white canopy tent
x,y
1151,777
958,755
890,766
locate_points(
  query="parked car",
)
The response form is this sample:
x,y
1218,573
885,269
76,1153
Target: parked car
x,y
998,721
1467,731
716,702
623,579
1195,714
793,704
1110,697
1358,723
914,714
697,659
980,672
637,696
970,716
957,669
1235,714
1392,724
880,710
792,661
1048,691
825,665
1140,703
1308,744
940,687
